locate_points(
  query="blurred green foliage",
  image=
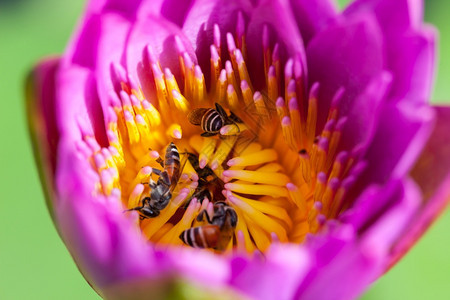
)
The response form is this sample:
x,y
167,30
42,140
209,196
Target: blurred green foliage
x,y
34,263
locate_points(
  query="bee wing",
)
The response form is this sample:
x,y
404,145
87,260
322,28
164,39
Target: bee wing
x,y
195,116
221,111
235,118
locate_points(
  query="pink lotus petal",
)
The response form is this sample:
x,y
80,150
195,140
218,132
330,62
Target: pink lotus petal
x,y
337,57
373,63
312,16
432,174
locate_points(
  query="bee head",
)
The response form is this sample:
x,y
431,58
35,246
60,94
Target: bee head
x,y
147,212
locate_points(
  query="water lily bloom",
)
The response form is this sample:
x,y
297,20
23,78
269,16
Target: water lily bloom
x,y
313,126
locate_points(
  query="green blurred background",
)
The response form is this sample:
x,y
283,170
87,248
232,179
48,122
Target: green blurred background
x,y
34,263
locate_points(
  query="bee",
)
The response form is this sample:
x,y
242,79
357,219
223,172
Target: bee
x,y
208,182
161,190
217,234
212,120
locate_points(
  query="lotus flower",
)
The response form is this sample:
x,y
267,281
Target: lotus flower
x,y
334,162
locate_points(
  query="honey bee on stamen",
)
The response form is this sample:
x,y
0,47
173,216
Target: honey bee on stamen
x,y
215,235
161,190
212,120
209,185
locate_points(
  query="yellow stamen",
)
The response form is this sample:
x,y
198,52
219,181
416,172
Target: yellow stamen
x,y
305,166
329,194
257,177
262,220
162,232
263,156
296,121
270,168
133,132
243,72
160,88
261,239
242,227
272,83
206,152
172,235
142,177
199,86
312,217
232,97
260,189
222,152
297,197
231,77
180,102
188,70
174,131
135,196
221,88
151,227
260,105
171,84
300,233
312,115
216,66
320,186
247,93
288,133
151,113
270,209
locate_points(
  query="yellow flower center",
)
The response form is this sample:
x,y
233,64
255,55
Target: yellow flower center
x,y
279,175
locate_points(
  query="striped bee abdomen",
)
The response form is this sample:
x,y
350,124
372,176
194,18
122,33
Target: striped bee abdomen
x,y
206,236
172,162
212,121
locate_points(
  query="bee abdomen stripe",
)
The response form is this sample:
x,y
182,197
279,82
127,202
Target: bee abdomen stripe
x,y
172,154
186,238
207,118
200,233
172,160
212,121
190,238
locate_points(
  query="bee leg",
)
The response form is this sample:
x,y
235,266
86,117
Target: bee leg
x,y
238,129
187,153
157,171
202,194
199,193
165,178
152,184
159,160
186,205
135,208
203,213
208,134
139,207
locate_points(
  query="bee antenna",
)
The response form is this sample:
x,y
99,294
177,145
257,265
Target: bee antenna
x,y
135,208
